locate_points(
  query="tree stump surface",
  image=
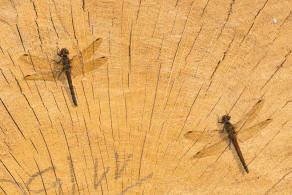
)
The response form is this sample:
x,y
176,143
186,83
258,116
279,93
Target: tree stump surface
x,y
173,67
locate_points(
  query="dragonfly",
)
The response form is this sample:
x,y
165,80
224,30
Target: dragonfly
x,y
71,67
238,131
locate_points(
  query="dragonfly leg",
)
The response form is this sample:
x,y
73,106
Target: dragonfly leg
x,y
57,62
221,130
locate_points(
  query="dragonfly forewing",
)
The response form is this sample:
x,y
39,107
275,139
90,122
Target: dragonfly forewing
x,y
40,76
250,116
193,135
38,62
88,52
201,136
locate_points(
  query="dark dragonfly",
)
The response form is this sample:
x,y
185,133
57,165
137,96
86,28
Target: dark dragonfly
x,y
235,132
71,67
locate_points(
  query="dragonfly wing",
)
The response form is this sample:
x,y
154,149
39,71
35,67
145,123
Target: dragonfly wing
x,y
48,76
88,66
200,136
192,135
42,63
41,76
248,133
250,116
88,52
212,150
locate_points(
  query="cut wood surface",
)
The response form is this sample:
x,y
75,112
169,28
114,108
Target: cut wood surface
x,y
174,67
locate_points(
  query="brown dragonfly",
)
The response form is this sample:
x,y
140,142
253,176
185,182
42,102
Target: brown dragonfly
x,y
72,66
235,132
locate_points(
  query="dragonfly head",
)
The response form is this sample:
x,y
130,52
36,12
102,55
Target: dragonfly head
x,y
226,118
64,52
